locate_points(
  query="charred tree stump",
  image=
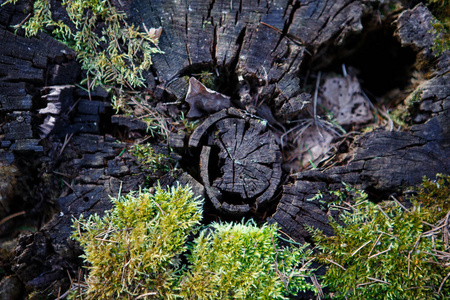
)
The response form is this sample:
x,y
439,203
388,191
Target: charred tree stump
x,y
262,51
240,162
384,162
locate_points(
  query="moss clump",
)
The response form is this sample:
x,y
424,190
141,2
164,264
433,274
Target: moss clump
x,y
243,261
441,10
136,251
136,248
386,251
433,196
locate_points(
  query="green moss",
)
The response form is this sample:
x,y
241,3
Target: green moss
x,y
386,251
208,79
151,160
433,196
243,261
136,248
136,251
441,10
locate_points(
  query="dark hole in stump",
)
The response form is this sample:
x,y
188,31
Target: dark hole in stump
x,y
381,62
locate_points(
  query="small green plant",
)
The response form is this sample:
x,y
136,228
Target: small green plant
x,y
386,251
189,126
441,10
151,160
113,53
401,115
243,261
136,248
207,78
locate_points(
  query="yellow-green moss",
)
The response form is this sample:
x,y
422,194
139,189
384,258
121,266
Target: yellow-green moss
x,y
243,261
387,251
136,248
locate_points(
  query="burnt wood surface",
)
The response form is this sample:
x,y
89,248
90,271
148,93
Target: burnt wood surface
x,y
384,162
240,162
262,42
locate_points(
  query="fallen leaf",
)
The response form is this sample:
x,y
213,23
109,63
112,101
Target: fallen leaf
x,y
313,144
344,98
155,33
203,100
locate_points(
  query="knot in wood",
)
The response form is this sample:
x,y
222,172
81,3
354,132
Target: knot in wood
x,y
240,161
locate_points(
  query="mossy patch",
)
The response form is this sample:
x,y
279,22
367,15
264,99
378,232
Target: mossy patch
x,y
389,251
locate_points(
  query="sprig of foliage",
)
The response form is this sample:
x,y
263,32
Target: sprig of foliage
x,y
136,248
113,53
243,261
441,10
188,125
386,251
151,160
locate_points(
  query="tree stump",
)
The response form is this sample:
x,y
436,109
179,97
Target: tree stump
x,y
384,162
264,52
240,162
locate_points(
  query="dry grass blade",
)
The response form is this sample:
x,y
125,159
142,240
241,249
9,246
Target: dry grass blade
x,y
316,284
63,296
445,233
434,231
66,141
378,280
409,261
4,220
442,283
387,217
316,94
304,124
146,295
363,245
382,252
335,263
374,244
399,204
